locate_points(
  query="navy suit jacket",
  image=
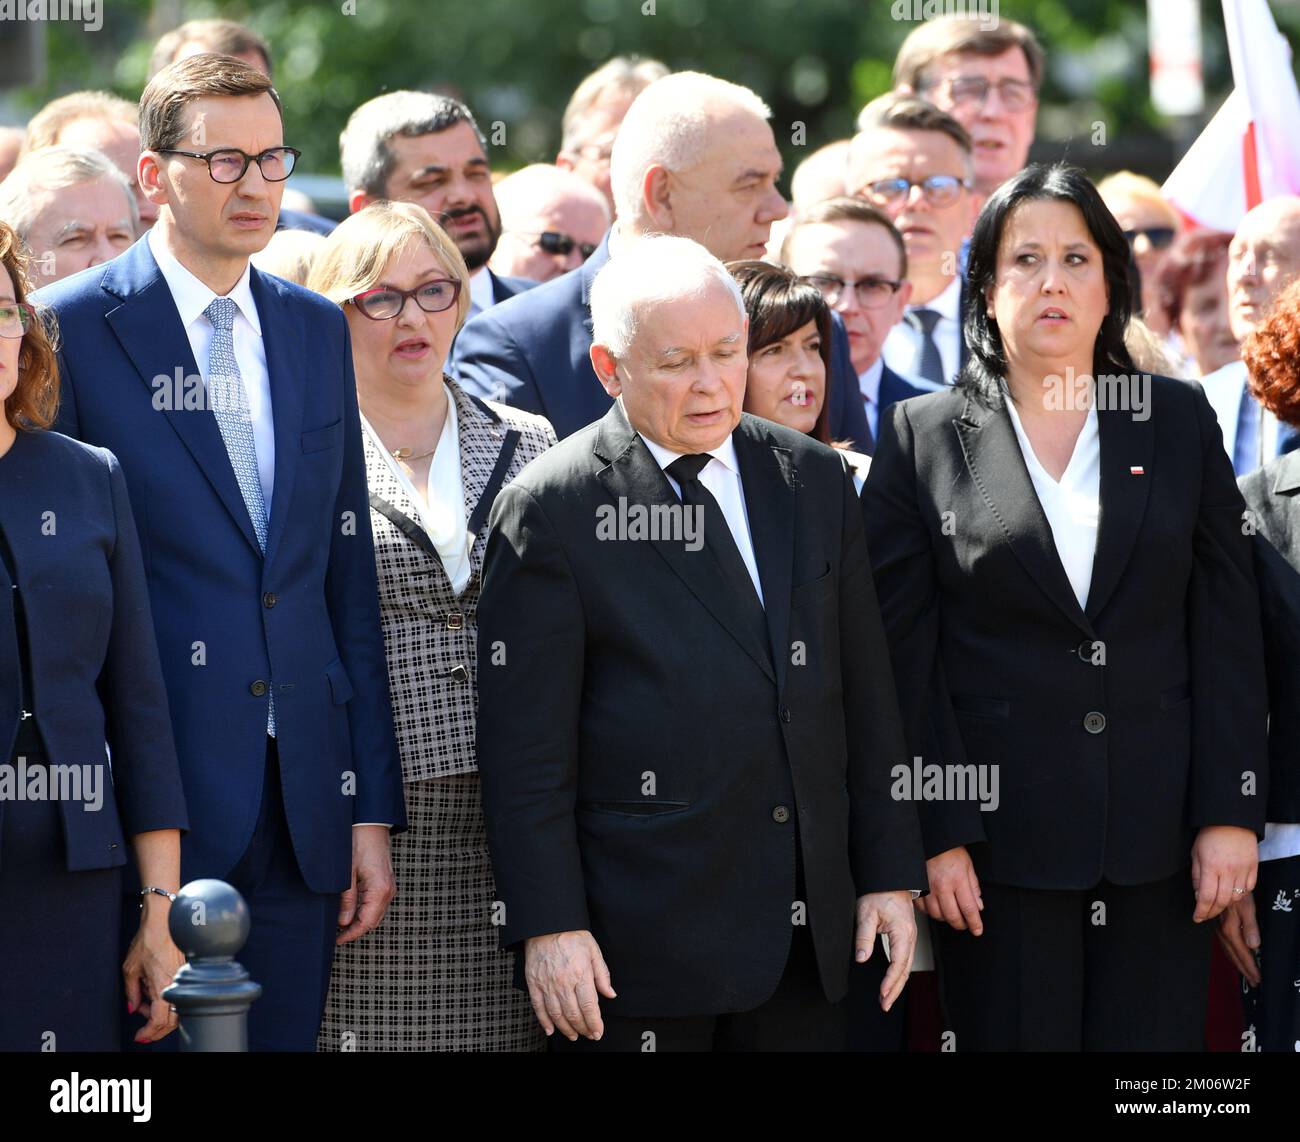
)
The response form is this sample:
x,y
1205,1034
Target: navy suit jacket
x,y
230,622
531,352
95,675
298,220
895,387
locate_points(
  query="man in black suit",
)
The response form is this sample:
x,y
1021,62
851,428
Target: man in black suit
x,y
411,146
695,157
687,715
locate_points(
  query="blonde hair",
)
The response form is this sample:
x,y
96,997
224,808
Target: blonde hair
x,y
354,255
290,254
1125,185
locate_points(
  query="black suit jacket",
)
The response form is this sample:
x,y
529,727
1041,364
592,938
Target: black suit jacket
x,y
1117,728
645,759
1271,495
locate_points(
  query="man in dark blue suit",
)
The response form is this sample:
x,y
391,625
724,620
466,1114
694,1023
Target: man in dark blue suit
x,y
713,181
229,399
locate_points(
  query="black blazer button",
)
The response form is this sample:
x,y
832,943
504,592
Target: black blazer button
x,y
1094,722
257,689
1086,649
781,814
785,714
269,600
459,673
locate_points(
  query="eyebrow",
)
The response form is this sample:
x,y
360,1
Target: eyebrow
x,y
75,225
442,168
754,172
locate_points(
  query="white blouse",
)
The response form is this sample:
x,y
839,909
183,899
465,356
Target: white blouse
x,y
440,510
1072,506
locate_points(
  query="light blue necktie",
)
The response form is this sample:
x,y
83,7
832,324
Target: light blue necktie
x,y
229,402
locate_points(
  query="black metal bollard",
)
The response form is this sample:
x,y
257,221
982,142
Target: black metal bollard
x,y
212,993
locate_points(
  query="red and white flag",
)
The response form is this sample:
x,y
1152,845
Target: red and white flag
x,y
1250,150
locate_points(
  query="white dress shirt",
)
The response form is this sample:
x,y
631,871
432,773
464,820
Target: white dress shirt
x,y
869,386
192,297
902,347
481,295
721,476
1073,505
440,510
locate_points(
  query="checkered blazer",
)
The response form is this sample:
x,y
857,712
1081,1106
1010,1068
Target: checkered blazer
x,y
430,634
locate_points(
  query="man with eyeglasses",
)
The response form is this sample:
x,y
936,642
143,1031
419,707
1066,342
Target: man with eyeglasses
x,y
913,162
985,78
851,252
551,222
412,146
228,396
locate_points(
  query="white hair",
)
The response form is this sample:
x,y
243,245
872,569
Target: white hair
x,y
53,169
654,268
531,189
669,124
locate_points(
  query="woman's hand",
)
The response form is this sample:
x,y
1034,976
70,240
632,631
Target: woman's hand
x,y
1225,859
954,891
151,962
1239,935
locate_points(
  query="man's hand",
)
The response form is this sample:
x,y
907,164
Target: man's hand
x,y
888,914
1239,935
954,891
564,972
363,905
1224,858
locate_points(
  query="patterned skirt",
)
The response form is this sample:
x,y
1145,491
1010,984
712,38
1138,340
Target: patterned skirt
x,y
430,977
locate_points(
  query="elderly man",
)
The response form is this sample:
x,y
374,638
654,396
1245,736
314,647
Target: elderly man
x,y
851,252
1263,258
687,716
913,162
73,209
987,78
696,158
551,222
410,146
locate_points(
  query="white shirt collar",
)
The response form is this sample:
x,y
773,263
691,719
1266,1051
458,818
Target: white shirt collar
x,y
191,296
481,295
724,453
869,382
948,304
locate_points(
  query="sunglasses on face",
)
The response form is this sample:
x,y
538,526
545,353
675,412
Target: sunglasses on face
x,y
557,242
384,303
871,292
939,190
1158,236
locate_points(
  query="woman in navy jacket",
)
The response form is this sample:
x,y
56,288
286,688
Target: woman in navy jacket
x,y
86,752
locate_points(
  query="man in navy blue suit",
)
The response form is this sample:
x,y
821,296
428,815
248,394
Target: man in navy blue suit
x,y
695,157
851,252
228,397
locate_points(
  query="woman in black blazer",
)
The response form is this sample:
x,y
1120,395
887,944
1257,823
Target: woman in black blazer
x,y
1099,684
1261,931
87,746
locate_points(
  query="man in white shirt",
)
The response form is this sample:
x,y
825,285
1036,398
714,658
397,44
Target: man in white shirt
x,y
1263,258
913,162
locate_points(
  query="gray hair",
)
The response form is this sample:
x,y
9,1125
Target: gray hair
x,y
57,168
622,75
364,154
654,268
669,124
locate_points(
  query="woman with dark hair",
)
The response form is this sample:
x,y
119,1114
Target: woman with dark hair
x,y
1074,622
79,676
1261,931
790,354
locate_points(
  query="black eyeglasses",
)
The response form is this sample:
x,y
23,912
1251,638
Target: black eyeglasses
x,y
871,292
384,303
973,91
1158,236
939,189
556,242
229,163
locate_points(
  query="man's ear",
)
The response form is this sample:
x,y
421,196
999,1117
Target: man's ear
x,y
358,200
149,175
657,197
602,360
901,300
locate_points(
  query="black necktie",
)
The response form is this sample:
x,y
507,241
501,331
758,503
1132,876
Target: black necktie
x,y
718,539
931,366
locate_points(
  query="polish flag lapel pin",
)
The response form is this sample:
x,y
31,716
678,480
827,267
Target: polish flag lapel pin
x,y
1137,470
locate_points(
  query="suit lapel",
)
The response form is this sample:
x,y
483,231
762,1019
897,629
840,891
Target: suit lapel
x,y
482,438
767,476
997,467
1126,443
631,475
149,329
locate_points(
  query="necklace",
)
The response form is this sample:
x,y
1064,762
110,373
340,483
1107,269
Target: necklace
x,y
404,453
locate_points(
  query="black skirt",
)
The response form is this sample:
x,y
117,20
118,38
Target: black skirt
x,y
1273,1008
60,967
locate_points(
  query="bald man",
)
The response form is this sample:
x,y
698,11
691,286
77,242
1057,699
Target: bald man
x,y
552,220
1264,257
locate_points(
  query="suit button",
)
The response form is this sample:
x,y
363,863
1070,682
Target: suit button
x,y
781,814
455,621
459,673
257,689
269,600
1086,649
785,714
1094,722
